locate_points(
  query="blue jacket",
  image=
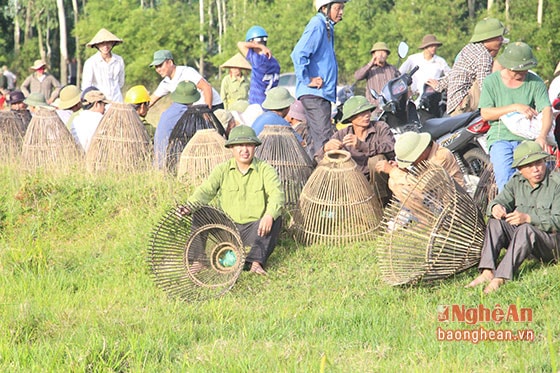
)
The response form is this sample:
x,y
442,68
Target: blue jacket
x,y
314,56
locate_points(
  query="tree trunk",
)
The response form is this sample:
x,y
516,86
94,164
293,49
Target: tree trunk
x,y
17,30
27,29
490,4
539,13
201,37
63,43
471,6
220,25
77,53
507,10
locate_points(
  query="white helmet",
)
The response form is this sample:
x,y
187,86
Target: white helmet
x,y
321,3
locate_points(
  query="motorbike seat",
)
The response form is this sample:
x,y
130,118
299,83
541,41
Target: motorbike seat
x,y
437,127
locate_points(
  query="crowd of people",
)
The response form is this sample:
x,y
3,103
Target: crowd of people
x,y
523,218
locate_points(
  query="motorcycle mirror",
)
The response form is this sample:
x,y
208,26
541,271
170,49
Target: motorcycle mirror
x,y
374,93
403,49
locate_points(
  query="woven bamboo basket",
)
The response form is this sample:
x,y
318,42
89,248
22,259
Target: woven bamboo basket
x,y
203,152
48,144
11,137
337,204
197,117
120,143
486,190
435,232
281,149
23,119
196,256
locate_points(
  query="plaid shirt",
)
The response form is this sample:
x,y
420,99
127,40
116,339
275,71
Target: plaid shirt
x,y
474,63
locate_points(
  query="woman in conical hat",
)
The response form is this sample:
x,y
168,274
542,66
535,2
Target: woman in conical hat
x,y
105,69
234,85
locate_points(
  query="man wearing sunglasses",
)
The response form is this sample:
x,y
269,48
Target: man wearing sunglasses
x,y
265,70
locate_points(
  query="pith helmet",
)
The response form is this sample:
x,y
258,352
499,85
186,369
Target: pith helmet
x,y
518,56
409,146
277,98
380,46
428,40
102,36
242,135
527,152
69,96
486,29
355,105
185,93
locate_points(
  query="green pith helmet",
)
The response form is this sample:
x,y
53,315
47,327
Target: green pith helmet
x,y
518,56
486,29
185,93
242,135
527,152
409,146
355,105
277,98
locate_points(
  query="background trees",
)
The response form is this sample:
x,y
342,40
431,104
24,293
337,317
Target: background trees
x,y
203,33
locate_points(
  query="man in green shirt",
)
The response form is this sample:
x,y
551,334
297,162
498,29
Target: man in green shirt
x,y
524,218
249,191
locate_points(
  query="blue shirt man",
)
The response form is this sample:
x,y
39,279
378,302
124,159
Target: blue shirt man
x,y
265,71
317,70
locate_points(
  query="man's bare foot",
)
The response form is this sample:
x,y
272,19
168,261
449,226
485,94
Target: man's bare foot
x,y
484,277
257,268
494,285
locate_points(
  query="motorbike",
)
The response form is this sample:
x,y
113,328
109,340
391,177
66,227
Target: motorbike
x,y
463,135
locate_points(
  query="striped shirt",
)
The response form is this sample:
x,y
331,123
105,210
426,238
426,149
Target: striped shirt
x,y
474,63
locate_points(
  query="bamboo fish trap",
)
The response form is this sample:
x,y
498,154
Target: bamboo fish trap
x,y
23,117
337,204
120,143
11,137
48,144
486,190
205,151
197,117
435,232
281,149
196,256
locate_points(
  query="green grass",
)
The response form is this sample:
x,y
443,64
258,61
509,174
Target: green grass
x,y
76,295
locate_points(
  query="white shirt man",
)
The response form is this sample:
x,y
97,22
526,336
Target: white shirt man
x,y
173,75
430,65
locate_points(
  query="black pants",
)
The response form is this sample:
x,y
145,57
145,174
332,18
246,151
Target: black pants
x,y
261,247
318,115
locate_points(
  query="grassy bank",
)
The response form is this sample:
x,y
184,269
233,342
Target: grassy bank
x,y
76,295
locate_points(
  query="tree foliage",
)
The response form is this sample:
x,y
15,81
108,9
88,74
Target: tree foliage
x,y
149,25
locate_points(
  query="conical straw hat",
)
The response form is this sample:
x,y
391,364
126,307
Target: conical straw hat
x,y
237,61
104,35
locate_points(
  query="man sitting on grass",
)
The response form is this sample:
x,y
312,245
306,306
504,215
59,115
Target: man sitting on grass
x,y
249,191
524,219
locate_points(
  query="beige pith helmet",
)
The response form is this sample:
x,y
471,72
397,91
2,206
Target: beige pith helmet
x,y
104,35
237,61
69,97
409,146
